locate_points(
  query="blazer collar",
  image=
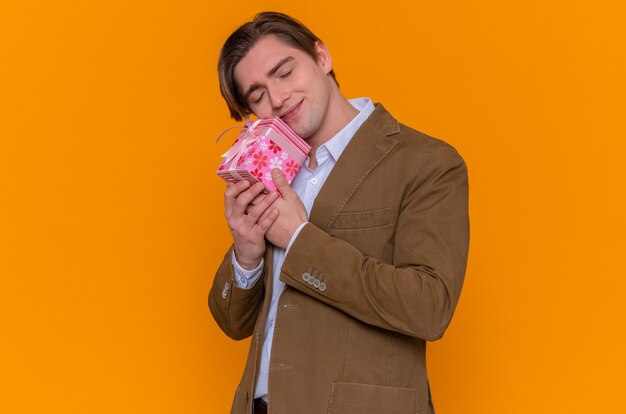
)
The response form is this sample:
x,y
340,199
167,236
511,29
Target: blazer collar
x,y
369,146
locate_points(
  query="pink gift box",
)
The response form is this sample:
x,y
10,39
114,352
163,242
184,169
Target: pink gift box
x,y
262,146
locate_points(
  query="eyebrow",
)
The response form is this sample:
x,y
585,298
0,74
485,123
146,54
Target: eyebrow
x,y
271,72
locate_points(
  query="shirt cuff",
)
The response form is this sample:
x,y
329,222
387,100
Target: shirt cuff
x,y
245,278
293,237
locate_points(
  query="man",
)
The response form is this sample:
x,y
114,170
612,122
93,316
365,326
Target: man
x,y
342,278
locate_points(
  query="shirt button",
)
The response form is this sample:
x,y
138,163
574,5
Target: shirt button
x,y
313,180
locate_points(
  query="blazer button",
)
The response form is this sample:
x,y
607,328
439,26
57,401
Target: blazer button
x,y
311,280
316,283
322,286
225,290
305,276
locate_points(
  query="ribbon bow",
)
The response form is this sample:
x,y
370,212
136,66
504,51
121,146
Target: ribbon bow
x,y
240,147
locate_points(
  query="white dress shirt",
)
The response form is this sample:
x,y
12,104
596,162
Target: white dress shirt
x,y
307,184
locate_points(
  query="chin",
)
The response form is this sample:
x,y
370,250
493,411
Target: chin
x,y
304,130
304,134
296,128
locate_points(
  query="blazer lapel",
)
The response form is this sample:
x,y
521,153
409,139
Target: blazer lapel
x,y
369,146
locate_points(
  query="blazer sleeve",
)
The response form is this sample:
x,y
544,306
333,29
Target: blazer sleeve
x,y
235,309
417,293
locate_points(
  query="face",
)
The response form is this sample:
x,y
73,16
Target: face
x,y
277,79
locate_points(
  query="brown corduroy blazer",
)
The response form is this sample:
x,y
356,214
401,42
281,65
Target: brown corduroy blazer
x,y
376,273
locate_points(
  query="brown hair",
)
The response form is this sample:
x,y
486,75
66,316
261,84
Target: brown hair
x,y
286,28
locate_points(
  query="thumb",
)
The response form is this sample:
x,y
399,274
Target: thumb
x,y
281,183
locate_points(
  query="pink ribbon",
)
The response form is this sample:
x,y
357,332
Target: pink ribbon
x,y
240,147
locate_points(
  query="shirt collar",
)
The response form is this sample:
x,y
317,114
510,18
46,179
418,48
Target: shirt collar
x,y
338,143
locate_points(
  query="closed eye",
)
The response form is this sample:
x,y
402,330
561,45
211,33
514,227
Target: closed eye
x,y
286,74
259,100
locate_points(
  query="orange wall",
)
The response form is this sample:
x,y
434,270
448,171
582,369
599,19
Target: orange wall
x,y
112,222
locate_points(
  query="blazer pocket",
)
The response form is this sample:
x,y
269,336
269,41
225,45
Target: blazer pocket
x,y
351,398
362,219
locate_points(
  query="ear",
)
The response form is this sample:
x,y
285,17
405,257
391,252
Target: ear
x,y
323,57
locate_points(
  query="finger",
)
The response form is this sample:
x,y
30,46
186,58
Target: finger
x,y
254,212
245,197
258,199
233,189
281,183
231,193
266,220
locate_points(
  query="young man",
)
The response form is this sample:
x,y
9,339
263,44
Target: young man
x,y
342,279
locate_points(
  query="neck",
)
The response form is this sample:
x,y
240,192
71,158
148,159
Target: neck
x,y
339,114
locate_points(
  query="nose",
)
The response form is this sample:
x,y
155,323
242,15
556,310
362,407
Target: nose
x,y
278,94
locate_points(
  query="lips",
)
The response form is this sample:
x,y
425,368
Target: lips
x,y
292,112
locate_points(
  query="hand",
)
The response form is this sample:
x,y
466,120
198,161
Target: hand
x,y
249,219
291,212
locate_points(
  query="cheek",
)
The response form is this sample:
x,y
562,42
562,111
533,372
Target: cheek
x,y
262,110
316,85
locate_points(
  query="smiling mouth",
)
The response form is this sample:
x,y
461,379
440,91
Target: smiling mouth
x,y
292,111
